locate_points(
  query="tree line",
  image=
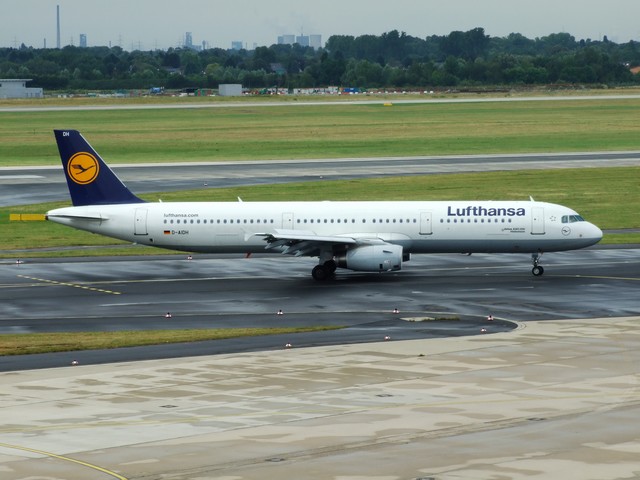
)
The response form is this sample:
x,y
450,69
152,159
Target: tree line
x,y
391,60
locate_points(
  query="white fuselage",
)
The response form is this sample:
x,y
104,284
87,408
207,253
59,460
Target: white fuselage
x,y
419,227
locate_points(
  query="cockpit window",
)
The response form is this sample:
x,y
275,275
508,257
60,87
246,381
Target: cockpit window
x,y
572,218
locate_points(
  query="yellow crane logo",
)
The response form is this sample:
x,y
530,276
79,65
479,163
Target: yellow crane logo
x,y
83,168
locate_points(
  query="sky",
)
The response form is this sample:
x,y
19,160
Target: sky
x,y
152,24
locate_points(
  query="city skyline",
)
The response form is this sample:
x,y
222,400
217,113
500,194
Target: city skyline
x,y
160,24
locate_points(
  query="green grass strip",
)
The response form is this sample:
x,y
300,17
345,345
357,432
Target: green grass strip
x,y
24,344
326,131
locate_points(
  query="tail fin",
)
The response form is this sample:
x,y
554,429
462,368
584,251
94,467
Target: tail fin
x,y
90,180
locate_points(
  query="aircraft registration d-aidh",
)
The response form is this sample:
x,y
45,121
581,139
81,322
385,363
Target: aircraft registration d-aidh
x,y
361,236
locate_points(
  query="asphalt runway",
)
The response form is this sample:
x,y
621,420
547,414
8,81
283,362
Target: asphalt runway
x,y
230,291
351,100
26,185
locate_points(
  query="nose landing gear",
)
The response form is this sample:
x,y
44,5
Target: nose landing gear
x,y
537,269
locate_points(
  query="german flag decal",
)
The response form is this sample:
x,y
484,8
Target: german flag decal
x,y
167,232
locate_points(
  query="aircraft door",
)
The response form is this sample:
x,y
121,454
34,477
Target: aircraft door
x,y
140,222
287,221
425,223
537,221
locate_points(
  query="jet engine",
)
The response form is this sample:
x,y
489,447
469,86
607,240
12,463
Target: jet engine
x,y
373,258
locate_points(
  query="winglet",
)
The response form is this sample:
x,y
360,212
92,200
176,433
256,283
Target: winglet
x,y
90,180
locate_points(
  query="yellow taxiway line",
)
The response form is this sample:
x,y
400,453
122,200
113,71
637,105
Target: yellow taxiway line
x,y
66,459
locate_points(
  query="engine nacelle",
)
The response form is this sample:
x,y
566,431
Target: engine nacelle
x,y
372,258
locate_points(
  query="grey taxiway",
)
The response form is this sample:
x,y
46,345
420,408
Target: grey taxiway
x,y
26,185
230,291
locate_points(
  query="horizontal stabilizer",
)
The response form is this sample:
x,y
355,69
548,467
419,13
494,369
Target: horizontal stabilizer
x,y
77,215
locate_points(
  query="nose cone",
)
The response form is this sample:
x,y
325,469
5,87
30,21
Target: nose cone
x,y
591,234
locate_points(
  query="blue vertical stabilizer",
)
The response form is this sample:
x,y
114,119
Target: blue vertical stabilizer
x,y
90,180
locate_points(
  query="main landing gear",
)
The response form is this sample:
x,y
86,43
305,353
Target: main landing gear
x,y
537,269
324,271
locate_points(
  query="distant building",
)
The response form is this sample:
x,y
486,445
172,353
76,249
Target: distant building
x,y
17,88
303,40
230,90
286,39
83,40
236,45
188,43
314,41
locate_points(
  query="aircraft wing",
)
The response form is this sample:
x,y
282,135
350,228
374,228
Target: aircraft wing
x,y
307,243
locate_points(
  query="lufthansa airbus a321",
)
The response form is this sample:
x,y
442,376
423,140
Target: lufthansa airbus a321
x,y
361,236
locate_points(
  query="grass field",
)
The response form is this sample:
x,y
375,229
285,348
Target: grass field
x,y
326,131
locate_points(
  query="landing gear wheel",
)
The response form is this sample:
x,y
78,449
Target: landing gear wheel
x,y
320,273
537,270
331,266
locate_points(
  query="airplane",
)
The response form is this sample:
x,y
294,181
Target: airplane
x,y
371,236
